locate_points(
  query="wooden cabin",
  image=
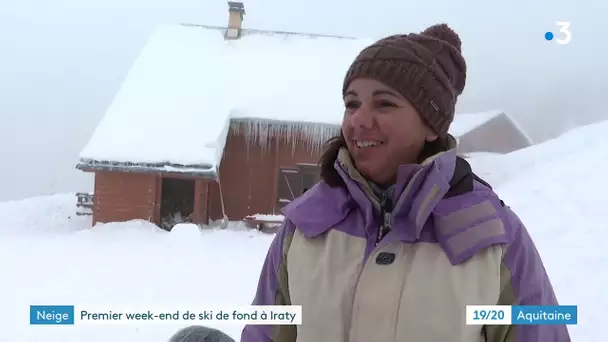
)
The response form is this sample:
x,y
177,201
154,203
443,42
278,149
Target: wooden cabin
x,y
253,178
212,121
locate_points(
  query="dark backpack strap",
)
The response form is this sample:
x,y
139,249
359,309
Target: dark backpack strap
x,y
463,179
482,181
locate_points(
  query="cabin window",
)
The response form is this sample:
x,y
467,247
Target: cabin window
x,y
294,181
290,185
309,175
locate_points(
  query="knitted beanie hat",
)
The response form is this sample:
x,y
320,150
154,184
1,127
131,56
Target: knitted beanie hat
x,y
426,68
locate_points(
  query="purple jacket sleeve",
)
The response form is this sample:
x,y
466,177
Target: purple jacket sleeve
x,y
272,288
525,282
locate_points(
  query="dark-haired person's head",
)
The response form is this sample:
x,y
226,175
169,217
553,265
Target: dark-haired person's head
x,y
399,95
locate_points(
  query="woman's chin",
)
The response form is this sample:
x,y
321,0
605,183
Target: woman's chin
x,y
371,172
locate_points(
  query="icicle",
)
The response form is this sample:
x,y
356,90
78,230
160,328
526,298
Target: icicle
x,y
260,132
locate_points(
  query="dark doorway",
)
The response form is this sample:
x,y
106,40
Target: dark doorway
x,y
177,201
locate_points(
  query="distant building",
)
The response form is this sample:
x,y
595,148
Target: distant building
x,y
494,132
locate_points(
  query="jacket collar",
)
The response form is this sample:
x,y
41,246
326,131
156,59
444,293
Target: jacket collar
x,y
418,189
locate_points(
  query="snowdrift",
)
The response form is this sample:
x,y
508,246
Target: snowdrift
x,y
558,190
500,168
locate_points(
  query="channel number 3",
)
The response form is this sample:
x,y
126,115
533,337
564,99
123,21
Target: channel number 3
x,y
564,28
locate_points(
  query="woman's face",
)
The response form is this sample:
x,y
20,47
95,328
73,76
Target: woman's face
x,y
382,130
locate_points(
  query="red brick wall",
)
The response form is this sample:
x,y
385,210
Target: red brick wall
x,y
121,196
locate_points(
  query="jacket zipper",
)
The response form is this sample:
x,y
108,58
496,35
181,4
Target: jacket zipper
x,y
386,218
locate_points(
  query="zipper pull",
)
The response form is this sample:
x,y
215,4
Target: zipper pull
x,y
386,204
386,218
388,224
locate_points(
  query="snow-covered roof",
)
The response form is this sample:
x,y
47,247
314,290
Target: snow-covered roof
x,y
466,122
174,108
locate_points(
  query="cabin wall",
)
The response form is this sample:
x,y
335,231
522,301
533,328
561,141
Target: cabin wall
x,y
249,179
201,202
121,196
246,179
249,174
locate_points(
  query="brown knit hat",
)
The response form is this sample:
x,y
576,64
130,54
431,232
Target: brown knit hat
x,y
426,68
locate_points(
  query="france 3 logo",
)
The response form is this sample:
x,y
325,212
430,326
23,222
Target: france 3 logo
x,y
564,36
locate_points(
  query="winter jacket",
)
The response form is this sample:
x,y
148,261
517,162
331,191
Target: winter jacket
x,y
452,242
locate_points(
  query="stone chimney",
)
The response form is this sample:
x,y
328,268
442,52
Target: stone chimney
x,y
236,11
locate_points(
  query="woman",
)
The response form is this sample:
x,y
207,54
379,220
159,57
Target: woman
x,y
400,235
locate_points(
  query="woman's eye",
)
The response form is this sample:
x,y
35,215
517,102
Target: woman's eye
x,y
351,105
385,104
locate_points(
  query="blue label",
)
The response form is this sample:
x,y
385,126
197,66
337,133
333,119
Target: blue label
x,y
52,314
543,315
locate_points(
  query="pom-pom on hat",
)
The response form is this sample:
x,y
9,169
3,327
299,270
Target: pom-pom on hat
x,y
426,68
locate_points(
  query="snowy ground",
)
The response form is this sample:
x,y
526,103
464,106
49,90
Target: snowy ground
x,y
47,254
559,191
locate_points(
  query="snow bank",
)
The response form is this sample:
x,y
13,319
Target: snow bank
x,y
267,217
175,104
491,167
560,196
117,264
41,216
569,144
500,168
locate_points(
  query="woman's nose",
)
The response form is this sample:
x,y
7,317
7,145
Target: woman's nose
x,y
362,118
